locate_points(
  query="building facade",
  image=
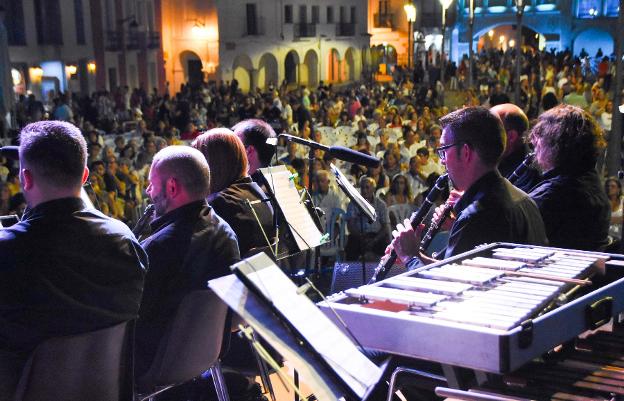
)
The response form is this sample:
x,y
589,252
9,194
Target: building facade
x,y
81,46
264,43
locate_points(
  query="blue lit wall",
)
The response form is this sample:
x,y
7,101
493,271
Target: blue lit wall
x,y
593,39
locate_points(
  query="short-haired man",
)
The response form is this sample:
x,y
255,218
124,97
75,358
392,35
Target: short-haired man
x,y
66,268
573,204
254,134
490,209
189,245
516,126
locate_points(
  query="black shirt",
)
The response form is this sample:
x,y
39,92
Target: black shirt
x,y
525,180
66,269
188,246
575,209
231,205
493,210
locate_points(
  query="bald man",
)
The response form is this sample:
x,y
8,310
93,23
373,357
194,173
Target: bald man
x,y
189,245
516,126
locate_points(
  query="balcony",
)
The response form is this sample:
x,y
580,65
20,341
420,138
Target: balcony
x,y
256,28
304,30
384,21
345,29
153,40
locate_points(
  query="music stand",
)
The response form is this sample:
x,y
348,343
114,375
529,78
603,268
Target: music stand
x,y
280,182
362,204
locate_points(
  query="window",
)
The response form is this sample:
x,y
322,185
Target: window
x,y
79,18
353,15
330,14
288,14
343,14
383,7
14,22
303,14
315,14
588,8
252,21
48,22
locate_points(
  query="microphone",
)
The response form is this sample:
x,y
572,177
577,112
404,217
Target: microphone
x,y
339,152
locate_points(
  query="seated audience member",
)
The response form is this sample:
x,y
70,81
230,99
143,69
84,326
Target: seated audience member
x,y
189,243
66,268
571,199
326,197
365,237
231,188
613,189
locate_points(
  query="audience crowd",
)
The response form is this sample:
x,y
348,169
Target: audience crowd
x,y
395,121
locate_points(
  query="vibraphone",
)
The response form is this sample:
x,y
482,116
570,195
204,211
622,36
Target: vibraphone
x,y
492,309
590,369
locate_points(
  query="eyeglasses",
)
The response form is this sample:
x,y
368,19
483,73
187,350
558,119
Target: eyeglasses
x,y
441,151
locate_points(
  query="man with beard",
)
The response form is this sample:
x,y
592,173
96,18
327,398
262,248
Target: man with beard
x,y
189,244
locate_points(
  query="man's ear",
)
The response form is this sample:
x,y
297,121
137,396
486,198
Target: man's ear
x,y
28,180
85,175
172,187
251,150
512,136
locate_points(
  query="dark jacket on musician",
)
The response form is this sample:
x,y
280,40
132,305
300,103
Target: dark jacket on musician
x,y
231,204
527,179
188,246
493,210
66,269
575,209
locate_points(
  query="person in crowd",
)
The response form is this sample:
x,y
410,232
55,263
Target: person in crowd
x,y
516,126
365,237
613,189
573,204
326,197
486,206
66,268
231,189
189,243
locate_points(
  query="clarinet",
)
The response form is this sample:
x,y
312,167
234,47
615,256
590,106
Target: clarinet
x,y
387,261
521,169
143,220
435,225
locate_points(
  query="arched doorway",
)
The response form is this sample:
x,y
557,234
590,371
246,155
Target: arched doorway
x,y
192,66
312,68
592,40
267,71
504,36
291,64
333,70
349,65
242,68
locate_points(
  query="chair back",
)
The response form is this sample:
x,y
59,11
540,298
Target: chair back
x,y
94,366
399,212
192,343
335,227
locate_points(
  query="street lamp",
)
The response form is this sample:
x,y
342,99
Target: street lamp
x,y
445,5
410,14
470,35
518,49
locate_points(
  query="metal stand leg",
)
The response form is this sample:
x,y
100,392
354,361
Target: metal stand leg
x,y
264,372
219,382
296,380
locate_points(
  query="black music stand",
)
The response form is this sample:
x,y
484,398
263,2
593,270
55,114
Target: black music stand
x,y
286,198
275,308
366,209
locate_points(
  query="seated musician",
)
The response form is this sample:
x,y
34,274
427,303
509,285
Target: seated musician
x,y
487,207
231,187
575,209
66,268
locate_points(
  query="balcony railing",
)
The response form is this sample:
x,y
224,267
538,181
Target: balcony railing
x,y
134,40
113,41
304,30
384,20
345,29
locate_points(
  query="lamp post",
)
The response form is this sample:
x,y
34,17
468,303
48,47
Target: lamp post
x,y
470,35
519,13
410,14
445,5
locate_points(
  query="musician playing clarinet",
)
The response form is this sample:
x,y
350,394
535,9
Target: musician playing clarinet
x,y
516,126
574,207
487,208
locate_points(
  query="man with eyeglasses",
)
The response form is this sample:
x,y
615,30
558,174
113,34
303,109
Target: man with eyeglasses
x,y
487,207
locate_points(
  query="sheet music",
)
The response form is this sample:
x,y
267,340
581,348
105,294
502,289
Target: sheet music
x,y
355,369
305,232
353,193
